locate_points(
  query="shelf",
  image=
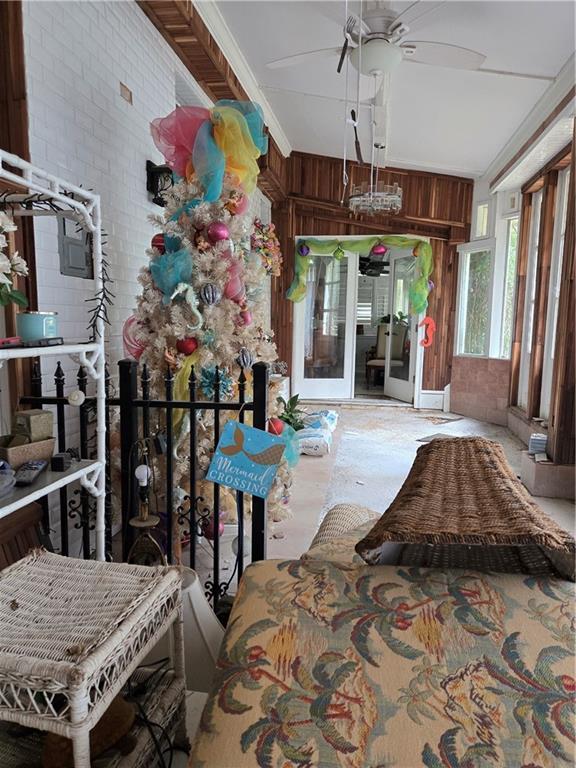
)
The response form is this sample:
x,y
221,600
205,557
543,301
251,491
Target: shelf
x,y
47,482
12,353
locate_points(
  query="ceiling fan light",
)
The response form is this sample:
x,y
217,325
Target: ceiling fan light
x,y
378,56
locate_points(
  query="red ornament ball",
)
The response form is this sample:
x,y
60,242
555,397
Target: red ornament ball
x,y
275,426
187,346
158,242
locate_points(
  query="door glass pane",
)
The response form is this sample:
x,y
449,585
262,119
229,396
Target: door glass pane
x,y
475,291
325,318
401,320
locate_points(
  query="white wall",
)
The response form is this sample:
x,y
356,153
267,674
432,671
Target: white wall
x,y
82,130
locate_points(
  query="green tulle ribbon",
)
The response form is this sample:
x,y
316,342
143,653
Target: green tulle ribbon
x,y
422,251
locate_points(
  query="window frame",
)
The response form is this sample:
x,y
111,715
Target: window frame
x,y
530,288
500,273
487,205
554,284
465,250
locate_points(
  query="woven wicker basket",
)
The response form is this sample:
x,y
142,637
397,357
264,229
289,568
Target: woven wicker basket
x,y
43,449
462,491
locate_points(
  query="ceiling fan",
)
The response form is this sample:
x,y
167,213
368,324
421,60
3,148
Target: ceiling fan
x,y
375,44
377,41
382,34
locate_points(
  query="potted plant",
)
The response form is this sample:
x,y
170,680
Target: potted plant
x,y
292,415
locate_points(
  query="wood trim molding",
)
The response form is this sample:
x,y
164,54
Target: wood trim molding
x,y
535,135
545,244
14,138
521,270
561,429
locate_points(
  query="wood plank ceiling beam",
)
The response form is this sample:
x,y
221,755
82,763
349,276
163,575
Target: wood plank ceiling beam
x,y
181,26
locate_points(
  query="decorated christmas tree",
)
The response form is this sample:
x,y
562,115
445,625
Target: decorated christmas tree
x,y
202,305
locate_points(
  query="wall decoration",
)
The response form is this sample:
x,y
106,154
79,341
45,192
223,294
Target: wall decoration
x,y
430,329
265,243
246,459
307,248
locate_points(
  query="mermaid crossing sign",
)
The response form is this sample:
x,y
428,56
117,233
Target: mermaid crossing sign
x,y
246,459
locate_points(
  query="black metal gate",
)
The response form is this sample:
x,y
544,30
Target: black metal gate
x,y
134,411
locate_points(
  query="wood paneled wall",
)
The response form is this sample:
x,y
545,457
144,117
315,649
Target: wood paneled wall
x,y
14,139
434,206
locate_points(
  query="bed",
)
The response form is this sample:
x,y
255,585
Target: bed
x,y
332,664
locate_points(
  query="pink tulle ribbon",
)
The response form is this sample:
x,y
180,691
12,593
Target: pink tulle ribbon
x,y
175,135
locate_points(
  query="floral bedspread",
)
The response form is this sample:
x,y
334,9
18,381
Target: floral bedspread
x,y
334,666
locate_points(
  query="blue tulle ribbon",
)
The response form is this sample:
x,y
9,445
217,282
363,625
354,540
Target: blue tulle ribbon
x,y
292,450
209,163
170,269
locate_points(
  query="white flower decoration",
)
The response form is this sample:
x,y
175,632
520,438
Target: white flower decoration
x,y
6,223
18,265
5,266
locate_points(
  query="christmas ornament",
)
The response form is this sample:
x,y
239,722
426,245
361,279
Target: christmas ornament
x,y
245,317
245,359
303,249
275,426
237,203
210,294
339,253
200,242
76,398
187,346
217,231
158,242
207,526
379,250
133,346
208,379
234,290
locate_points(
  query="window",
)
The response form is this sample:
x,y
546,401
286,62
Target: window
x,y
474,298
509,285
481,228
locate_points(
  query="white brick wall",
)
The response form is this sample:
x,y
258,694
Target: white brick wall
x,y
81,129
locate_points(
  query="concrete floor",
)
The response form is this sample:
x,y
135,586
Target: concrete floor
x,y
373,451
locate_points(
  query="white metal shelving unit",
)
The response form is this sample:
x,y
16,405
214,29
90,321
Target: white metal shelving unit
x,y
37,193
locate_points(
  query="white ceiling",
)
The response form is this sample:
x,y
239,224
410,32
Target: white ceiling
x,y
441,119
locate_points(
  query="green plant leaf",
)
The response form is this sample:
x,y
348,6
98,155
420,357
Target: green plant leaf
x,y
18,298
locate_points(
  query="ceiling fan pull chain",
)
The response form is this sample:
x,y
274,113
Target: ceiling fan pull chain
x,y
359,61
345,153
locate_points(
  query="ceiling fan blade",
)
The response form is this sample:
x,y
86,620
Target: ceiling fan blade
x,y
442,55
357,146
303,58
342,56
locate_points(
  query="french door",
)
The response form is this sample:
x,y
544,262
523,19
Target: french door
x,y
402,333
324,330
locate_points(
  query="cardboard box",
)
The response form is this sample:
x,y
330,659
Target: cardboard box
x,y
35,425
